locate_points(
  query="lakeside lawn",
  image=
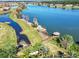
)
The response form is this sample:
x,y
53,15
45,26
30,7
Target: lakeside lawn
x,y
34,36
27,30
1,12
36,39
7,41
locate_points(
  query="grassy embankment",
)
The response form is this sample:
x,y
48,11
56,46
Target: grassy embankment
x,y
7,36
34,36
1,12
8,41
29,31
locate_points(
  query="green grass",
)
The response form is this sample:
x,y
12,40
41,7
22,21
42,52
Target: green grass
x,y
32,34
1,12
8,37
75,7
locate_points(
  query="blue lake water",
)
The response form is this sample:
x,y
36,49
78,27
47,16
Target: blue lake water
x,y
55,19
18,29
5,18
60,20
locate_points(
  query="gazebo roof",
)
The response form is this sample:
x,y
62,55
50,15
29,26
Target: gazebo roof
x,y
56,33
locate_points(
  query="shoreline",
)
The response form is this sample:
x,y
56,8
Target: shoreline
x,y
27,29
38,37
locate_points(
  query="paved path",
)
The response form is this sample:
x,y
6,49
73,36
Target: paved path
x,y
44,36
53,48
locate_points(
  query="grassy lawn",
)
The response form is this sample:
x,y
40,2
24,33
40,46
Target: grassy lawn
x,y
54,48
1,12
8,41
8,37
32,34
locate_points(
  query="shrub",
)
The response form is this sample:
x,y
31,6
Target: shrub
x,y
10,53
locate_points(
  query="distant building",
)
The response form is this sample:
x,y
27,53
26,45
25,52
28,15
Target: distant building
x,y
59,5
52,5
68,6
6,8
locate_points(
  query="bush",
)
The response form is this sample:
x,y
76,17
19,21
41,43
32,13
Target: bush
x,y
74,50
8,41
42,51
10,53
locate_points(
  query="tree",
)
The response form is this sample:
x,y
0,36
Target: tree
x,y
73,50
66,41
71,47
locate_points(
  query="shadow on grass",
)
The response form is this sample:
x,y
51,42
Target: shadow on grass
x,y
24,38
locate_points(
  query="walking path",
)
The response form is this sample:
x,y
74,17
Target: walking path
x,y
44,36
53,48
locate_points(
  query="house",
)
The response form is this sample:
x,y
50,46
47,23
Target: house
x,y
68,6
52,5
59,5
6,8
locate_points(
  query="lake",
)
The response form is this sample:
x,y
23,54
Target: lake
x,y
55,19
5,18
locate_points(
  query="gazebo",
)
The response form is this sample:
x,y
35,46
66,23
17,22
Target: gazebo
x,y
56,34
